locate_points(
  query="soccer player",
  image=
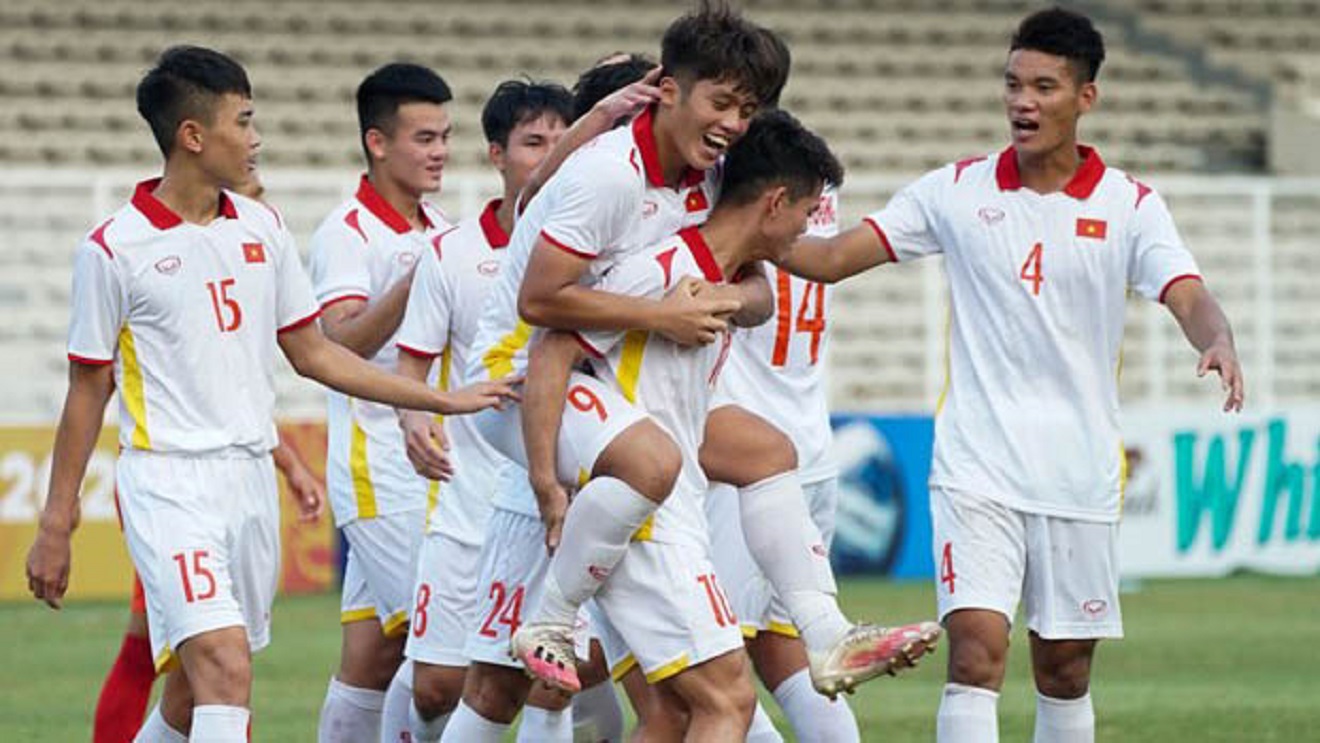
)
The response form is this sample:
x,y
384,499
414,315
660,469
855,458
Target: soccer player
x,y
664,598
122,703
1042,243
777,370
522,121
363,256
180,301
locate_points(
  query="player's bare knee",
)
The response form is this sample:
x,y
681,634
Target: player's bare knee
x,y
495,693
976,663
646,458
436,689
742,449
219,671
1063,675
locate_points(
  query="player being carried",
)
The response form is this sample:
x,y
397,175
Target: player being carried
x,y
180,301
363,256
619,192
1042,243
663,597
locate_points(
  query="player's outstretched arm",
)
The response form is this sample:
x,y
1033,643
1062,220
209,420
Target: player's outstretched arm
x,y
363,327
1206,327
551,297
832,259
423,436
549,364
316,357
307,490
624,103
90,387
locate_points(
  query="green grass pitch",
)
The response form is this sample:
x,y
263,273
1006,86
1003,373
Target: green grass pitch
x,y
1227,660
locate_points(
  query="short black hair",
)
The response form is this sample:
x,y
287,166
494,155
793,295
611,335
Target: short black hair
x,y
518,101
381,94
1066,34
604,78
185,84
714,42
778,150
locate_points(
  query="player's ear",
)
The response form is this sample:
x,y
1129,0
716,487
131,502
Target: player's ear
x,y
1087,97
495,153
776,200
375,141
189,136
670,90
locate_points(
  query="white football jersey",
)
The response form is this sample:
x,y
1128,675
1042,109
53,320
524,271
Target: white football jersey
x,y
361,250
188,314
441,320
777,369
1038,287
607,200
673,384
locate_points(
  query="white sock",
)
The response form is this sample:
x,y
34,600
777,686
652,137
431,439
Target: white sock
x,y
1064,720
787,547
762,729
425,731
219,723
815,719
545,725
597,715
394,723
605,514
156,730
350,714
466,726
968,714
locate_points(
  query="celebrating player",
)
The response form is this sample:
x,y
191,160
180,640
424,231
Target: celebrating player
x,y
1042,242
664,599
180,301
362,260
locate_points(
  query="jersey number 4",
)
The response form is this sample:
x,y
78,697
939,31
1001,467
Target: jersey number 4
x,y
810,317
1031,272
228,315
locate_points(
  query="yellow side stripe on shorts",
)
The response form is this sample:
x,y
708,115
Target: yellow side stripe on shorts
x,y
166,661
676,666
396,625
135,397
357,615
622,668
749,630
944,388
364,492
499,359
645,532
780,628
630,363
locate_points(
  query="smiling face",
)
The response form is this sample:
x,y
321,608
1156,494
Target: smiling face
x,y
413,152
708,117
1044,99
786,220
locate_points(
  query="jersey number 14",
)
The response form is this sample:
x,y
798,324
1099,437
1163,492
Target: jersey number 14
x,y
810,316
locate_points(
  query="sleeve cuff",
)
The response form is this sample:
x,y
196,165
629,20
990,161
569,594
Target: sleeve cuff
x,y
587,346
89,360
884,239
343,298
571,251
307,320
417,352
1176,279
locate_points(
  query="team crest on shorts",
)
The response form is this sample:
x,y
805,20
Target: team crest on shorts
x,y
1095,608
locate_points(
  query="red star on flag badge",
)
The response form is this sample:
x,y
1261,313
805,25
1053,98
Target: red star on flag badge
x,y
696,200
254,253
1095,228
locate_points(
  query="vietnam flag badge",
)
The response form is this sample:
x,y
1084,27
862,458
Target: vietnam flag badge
x,y
1094,228
696,200
254,253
